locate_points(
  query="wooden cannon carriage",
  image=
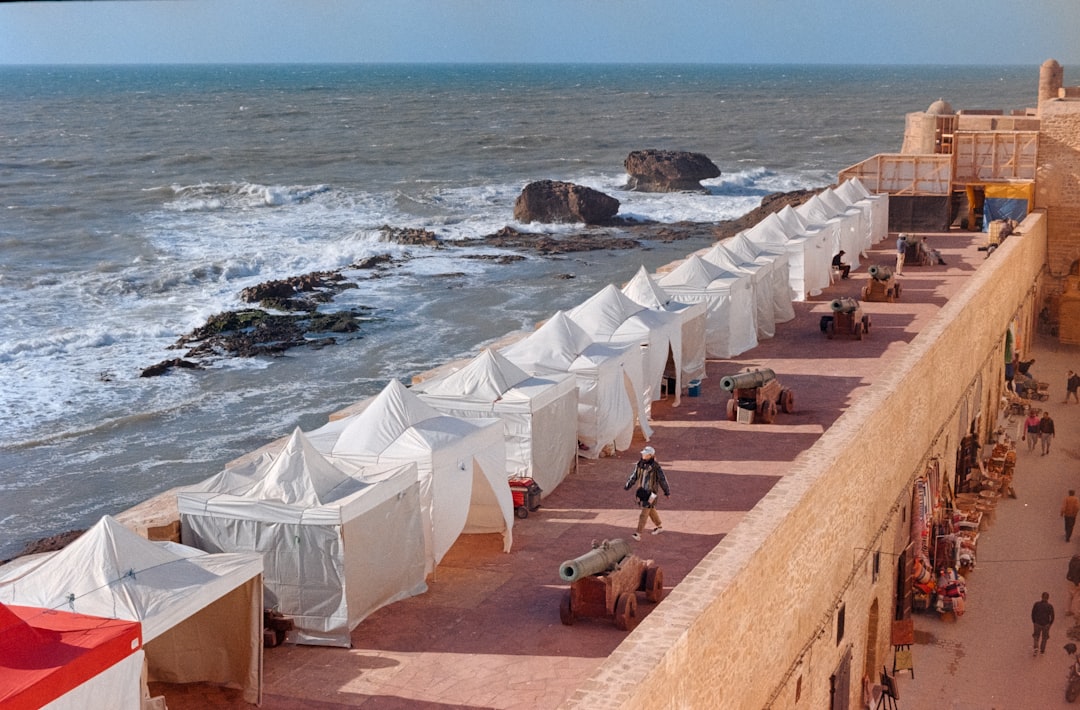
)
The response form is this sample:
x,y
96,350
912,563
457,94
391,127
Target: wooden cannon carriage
x,y
882,285
757,391
604,583
847,319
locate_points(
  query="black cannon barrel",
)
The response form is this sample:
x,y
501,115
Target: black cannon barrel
x,y
602,558
747,380
880,273
844,305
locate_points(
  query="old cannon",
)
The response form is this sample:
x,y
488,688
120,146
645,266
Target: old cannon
x,y
604,583
758,392
847,317
882,285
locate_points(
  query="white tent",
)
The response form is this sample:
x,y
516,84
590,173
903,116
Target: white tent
x,y
759,274
539,414
608,379
643,289
610,316
769,236
842,230
183,597
776,280
854,192
335,548
729,304
817,251
859,215
461,463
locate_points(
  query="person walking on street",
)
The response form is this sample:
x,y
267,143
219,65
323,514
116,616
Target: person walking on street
x,y
650,480
1046,432
1069,508
1042,617
1031,429
901,250
1071,386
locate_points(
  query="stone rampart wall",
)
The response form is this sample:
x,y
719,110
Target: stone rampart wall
x,y
755,624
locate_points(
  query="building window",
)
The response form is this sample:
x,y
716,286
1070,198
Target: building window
x,y
877,564
840,623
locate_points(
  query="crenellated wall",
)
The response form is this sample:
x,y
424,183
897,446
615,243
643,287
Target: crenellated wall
x,y
755,624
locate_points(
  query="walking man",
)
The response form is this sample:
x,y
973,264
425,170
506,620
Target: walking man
x,y
1046,432
650,480
1042,617
1071,386
901,250
1069,508
1031,429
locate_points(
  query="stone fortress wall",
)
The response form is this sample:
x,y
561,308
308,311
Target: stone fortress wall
x,y
756,623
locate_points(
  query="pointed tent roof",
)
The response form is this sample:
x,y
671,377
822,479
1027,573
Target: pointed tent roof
x,y
815,211
694,272
850,193
553,347
794,223
602,314
734,257
644,290
770,232
299,475
838,204
389,415
112,572
487,377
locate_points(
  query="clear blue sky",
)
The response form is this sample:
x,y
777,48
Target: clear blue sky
x,y
711,31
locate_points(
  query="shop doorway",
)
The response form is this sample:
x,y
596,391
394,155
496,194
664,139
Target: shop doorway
x,y
870,662
840,684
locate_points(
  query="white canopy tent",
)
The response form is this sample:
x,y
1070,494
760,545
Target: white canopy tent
x,y
854,192
729,304
336,547
461,463
608,379
182,596
842,230
643,289
776,282
610,316
769,236
539,414
860,217
759,273
817,253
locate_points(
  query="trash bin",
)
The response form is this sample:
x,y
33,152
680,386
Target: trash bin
x,y
695,388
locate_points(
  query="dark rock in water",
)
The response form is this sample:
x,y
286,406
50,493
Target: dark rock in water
x,y
668,171
548,245
773,202
297,293
550,201
371,262
410,236
165,365
497,258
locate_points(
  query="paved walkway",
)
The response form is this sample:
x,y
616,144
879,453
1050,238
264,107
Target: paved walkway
x,y
982,660
488,635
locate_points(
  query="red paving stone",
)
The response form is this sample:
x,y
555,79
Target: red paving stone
x,y
487,634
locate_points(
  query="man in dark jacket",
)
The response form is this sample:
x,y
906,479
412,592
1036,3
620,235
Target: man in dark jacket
x,y
651,480
1046,432
1042,616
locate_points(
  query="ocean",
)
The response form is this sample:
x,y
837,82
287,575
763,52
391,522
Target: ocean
x,y
137,201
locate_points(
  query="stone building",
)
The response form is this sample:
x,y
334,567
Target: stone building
x,y
794,608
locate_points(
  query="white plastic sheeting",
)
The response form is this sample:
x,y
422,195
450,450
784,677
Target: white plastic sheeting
x,y
610,316
643,289
539,414
760,284
461,463
608,379
336,547
181,595
817,250
729,304
775,267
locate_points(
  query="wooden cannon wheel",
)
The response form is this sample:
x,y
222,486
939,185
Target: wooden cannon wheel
x,y
654,583
866,324
857,330
787,401
626,617
732,409
896,290
566,614
830,331
767,411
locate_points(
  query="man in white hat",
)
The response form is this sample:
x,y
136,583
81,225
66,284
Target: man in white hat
x,y
650,479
